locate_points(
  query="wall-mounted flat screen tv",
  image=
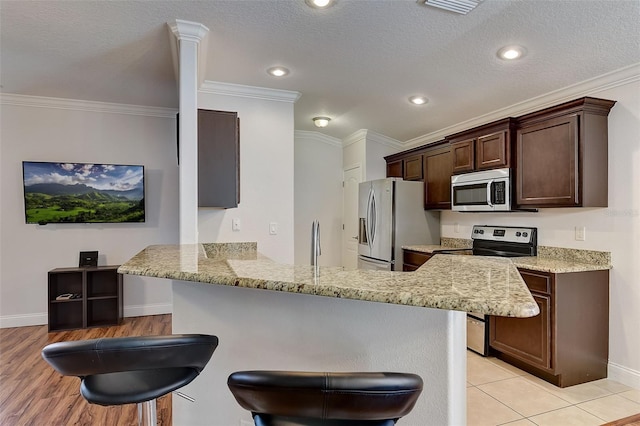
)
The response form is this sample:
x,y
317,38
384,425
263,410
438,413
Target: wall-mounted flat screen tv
x,y
83,193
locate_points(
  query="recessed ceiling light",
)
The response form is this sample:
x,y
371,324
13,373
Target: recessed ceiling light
x,y
509,53
321,121
418,100
278,71
319,4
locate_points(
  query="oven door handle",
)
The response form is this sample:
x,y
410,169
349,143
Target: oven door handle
x,y
489,193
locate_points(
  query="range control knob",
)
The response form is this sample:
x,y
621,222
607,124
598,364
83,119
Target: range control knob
x,y
518,233
482,231
525,234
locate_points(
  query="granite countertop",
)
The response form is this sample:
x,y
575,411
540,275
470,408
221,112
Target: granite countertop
x,y
550,259
464,283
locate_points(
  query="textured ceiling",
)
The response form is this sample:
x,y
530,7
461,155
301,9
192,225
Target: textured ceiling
x,y
356,62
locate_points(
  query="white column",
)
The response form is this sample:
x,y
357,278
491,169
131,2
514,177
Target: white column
x,y
188,36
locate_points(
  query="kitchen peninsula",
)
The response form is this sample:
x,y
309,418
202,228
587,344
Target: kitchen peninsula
x,y
335,320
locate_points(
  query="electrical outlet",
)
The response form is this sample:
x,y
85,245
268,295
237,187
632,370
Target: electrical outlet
x,y
580,233
235,224
273,228
456,228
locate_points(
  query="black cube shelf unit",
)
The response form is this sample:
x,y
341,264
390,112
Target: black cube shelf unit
x,y
96,301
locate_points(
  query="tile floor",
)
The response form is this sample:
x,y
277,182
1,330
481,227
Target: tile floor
x,y
500,394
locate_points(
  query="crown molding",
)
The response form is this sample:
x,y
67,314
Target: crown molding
x,y
383,140
194,32
80,105
357,136
589,87
317,137
371,136
188,30
242,91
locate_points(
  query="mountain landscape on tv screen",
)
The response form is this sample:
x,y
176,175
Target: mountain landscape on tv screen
x,y
83,193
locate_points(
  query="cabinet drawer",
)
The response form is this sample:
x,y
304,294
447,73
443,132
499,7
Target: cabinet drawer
x,y
415,258
536,281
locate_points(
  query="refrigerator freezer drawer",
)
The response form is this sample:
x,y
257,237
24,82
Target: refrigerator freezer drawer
x,y
373,265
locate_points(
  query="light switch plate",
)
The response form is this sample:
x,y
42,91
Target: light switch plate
x,y
273,228
580,233
235,224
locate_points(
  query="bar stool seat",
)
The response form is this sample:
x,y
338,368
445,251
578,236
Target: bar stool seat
x,y
127,370
287,398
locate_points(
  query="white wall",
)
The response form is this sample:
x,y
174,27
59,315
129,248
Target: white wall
x,y
368,149
378,147
286,331
318,195
266,176
615,229
44,129
354,152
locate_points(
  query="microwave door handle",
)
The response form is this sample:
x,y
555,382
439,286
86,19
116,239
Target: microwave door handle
x,y
490,193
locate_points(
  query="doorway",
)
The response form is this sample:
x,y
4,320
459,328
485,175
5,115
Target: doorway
x,y
352,176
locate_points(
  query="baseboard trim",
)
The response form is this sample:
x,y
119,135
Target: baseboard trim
x,y
9,321
143,310
41,318
624,375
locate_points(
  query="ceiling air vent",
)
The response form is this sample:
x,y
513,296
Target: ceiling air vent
x,y
458,6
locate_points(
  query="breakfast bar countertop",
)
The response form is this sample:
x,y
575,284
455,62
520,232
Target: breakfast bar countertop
x,y
463,283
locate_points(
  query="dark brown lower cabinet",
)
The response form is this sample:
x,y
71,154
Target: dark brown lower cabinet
x,y
568,342
96,297
412,260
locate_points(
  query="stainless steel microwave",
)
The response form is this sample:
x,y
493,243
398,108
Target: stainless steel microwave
x,y
485,191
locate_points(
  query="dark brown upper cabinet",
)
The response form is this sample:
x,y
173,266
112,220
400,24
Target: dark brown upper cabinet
x,y
413,168
428,163
561,155
406,165
218,159
395,168
437,180
484,147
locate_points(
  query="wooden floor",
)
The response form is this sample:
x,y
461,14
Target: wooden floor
x,y
33,393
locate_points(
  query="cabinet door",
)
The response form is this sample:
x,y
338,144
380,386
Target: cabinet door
x,y
415,259
528,339
218,159
547,163
437,180
413,168
463,155
492,151
394,169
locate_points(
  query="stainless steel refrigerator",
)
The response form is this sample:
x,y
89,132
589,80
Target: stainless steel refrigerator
x,y
391,215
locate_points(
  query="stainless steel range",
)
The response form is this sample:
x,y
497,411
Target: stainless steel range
x,y
502,241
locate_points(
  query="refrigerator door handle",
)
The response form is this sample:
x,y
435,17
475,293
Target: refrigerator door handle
x,y
362,232
372,217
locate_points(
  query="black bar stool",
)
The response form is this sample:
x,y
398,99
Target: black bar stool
x,y
128,370
286,398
